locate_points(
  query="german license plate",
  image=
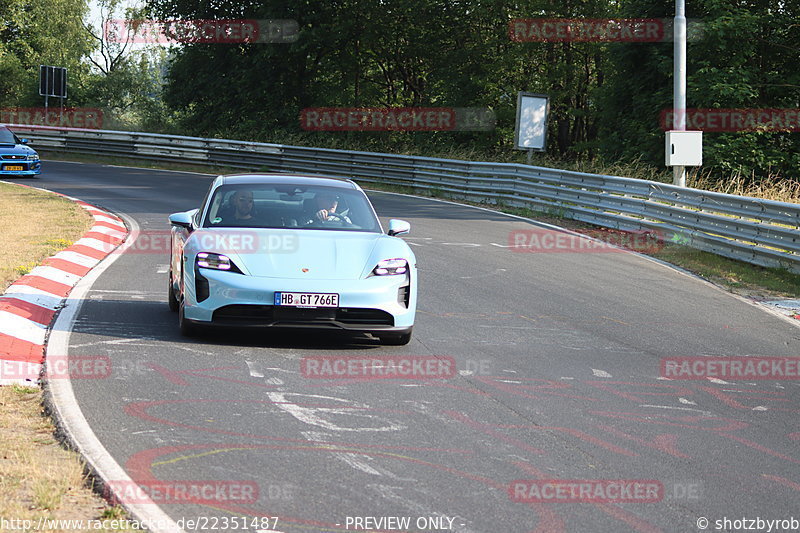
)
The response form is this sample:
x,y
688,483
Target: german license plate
x,y
306,299
14,167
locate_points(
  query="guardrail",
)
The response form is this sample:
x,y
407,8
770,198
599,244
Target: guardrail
x,y
762,232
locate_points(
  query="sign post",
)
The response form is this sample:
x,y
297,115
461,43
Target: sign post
x,y
530,131
52,82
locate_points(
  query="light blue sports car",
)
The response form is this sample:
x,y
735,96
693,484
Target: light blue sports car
x,y
16,158
279,250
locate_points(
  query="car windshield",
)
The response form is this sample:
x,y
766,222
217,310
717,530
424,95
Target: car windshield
x,y
6,137
290,206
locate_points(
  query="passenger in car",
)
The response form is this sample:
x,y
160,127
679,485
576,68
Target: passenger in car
x,y
243,211
238,210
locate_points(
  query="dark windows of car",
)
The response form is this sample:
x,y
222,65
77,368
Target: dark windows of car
x,y
281,206
7,137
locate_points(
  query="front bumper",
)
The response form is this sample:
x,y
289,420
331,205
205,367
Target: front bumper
x,y
31,168
374,304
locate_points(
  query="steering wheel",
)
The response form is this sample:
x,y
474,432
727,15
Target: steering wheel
x,y
336,216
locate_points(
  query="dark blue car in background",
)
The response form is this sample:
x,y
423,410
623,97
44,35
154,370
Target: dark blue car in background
x,y
16,158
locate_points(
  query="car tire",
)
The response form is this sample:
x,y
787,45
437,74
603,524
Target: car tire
x,y
173,302
396,340
187,328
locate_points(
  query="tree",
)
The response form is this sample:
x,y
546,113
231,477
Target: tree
x,y
35,33
126,76
746,59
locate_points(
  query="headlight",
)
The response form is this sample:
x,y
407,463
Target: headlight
x,y
33,157
391,267
215,262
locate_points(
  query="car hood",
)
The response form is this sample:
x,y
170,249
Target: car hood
x,y
16,149
295,254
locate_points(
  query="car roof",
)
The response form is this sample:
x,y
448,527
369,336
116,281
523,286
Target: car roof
x,y
287,179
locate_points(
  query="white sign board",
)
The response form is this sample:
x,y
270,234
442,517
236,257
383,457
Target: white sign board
x,y
530,132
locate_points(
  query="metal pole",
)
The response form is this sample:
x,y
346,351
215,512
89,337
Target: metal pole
x,y
679,83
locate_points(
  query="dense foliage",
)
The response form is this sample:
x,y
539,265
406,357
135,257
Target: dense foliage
x,y
36,33
606,98
113,76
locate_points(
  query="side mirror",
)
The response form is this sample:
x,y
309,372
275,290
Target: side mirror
x,y
398,227
182,220
25,141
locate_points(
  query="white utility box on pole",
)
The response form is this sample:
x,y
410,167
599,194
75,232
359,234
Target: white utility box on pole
x,y
684,149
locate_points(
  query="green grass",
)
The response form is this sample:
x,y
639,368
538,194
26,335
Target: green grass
x,y
735,275
23,390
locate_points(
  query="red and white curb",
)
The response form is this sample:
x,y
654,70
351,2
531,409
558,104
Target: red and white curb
x,y
28,306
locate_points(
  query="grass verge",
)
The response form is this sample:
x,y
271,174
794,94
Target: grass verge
x,y
36,224
39,479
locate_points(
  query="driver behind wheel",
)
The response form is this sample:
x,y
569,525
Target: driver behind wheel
x,y
325,205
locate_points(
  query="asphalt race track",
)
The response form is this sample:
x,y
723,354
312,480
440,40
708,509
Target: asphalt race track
x,y
557,376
